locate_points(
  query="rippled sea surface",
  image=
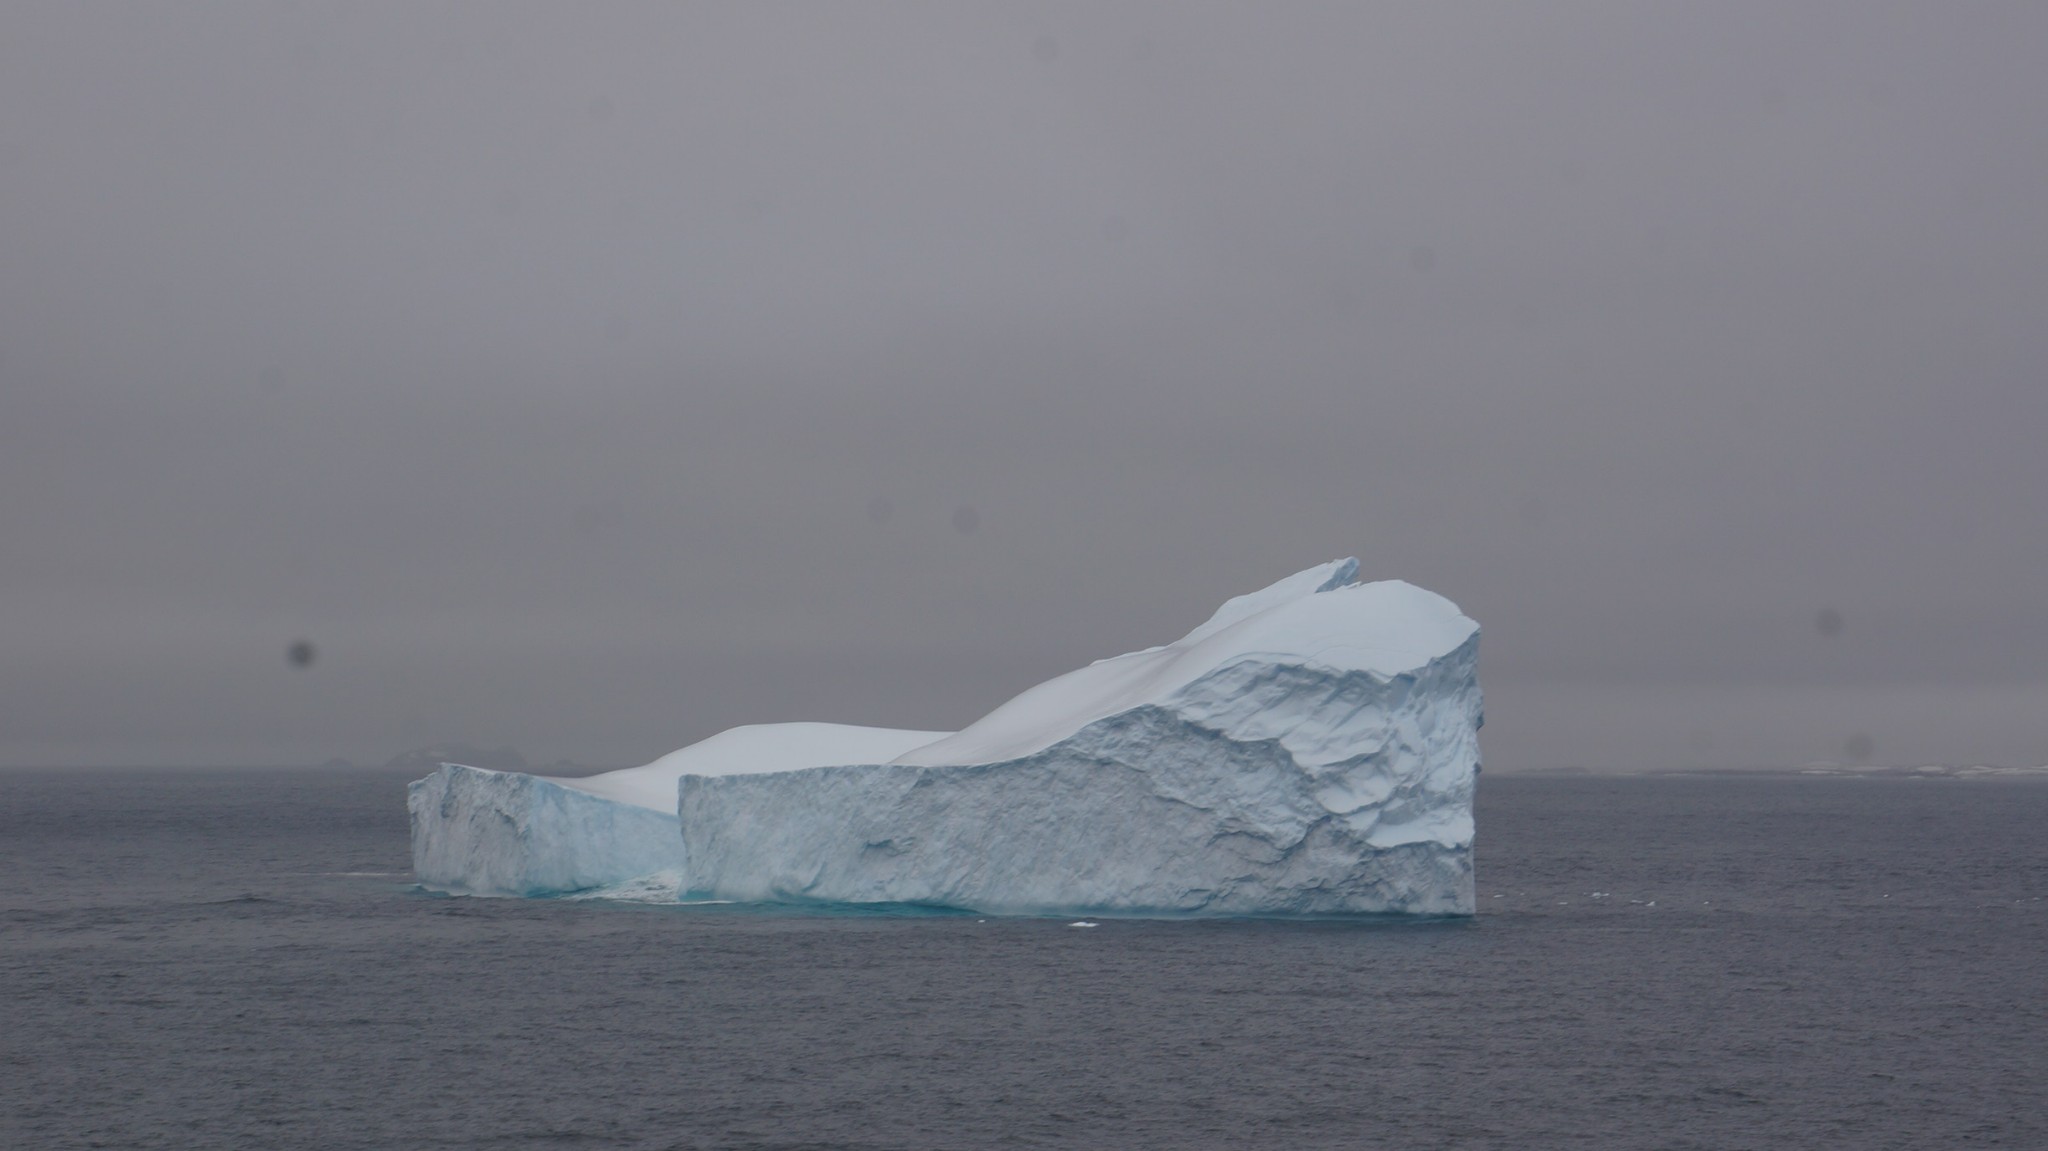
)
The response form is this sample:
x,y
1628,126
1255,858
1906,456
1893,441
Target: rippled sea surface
x,y
237,959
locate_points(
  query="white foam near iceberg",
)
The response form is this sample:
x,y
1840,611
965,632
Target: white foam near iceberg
x,y
1310,750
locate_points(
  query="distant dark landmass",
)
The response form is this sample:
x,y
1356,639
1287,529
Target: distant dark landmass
x,y
1926,771
1845,770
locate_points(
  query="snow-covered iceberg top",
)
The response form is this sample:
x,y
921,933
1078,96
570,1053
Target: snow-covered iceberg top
x,y
749,750
1310,749
1321,619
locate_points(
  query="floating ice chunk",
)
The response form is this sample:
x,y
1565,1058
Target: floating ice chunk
x,y
1310,749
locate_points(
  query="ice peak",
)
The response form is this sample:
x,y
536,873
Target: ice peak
x,y
1314,581
1319,617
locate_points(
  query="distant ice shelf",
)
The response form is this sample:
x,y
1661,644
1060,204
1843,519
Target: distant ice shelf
x,y
1309,750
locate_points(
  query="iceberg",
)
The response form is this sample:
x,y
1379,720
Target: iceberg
x,y
1311,749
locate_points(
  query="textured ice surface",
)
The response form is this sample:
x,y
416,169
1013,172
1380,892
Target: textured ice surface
x,y
482,832
1309,750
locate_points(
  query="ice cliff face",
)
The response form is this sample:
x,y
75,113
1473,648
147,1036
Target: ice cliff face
x,y
479,832
1310,750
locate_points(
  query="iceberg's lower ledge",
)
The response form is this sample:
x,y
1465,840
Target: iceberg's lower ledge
x,y
479,832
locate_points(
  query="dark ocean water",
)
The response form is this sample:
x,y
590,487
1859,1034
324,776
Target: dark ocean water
x,y
237,959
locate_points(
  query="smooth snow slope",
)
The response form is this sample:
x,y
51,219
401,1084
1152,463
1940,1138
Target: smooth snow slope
x,y
1380,628
751,750
482,832
1309,750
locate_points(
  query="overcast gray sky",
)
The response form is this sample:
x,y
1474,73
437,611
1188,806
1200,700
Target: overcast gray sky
x,y
590,379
